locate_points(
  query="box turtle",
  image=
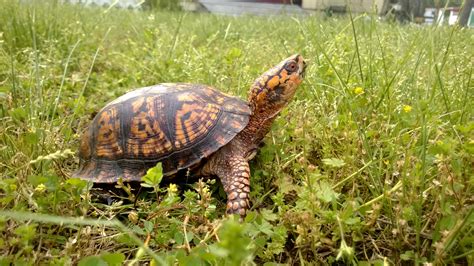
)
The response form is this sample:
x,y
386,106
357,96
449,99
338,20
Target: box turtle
x,y
181,124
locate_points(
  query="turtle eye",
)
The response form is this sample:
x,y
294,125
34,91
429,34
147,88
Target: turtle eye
x,y
291,67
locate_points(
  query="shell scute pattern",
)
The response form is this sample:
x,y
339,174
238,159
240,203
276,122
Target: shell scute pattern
x,y
107,142
147,132
176,124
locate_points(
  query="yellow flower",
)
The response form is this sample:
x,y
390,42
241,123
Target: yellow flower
x,y
172,188
133,217
329,72
358,90
205,190
40,188
407,108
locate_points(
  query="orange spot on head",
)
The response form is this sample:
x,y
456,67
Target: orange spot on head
x,y
284,76
273,82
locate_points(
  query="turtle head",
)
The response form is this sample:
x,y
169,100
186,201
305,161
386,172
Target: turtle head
x,y
276,87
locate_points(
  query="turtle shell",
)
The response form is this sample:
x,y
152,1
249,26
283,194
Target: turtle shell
x,y
176,124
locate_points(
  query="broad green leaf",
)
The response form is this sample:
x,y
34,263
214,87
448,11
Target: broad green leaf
x,y
153,176
92,261
326,193
269,215
19,113
113,259
408,255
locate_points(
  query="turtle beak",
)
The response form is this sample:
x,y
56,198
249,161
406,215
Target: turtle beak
x,y
302,65
303,69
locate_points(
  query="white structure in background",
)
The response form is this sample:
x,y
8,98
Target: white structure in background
x,y
117,3
235,8
357,6
470,21
269,7
451,13
430,15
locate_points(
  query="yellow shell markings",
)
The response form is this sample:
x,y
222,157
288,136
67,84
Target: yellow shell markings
x,y
146,138
218,96
189,122
107,136
220,138
186,97
198,125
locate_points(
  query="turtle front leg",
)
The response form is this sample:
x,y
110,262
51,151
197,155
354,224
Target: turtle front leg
x,y
235,179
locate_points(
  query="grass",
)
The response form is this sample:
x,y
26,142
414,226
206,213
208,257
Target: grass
x,y
372,162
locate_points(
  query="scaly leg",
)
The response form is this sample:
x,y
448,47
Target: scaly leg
x,y
235,178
